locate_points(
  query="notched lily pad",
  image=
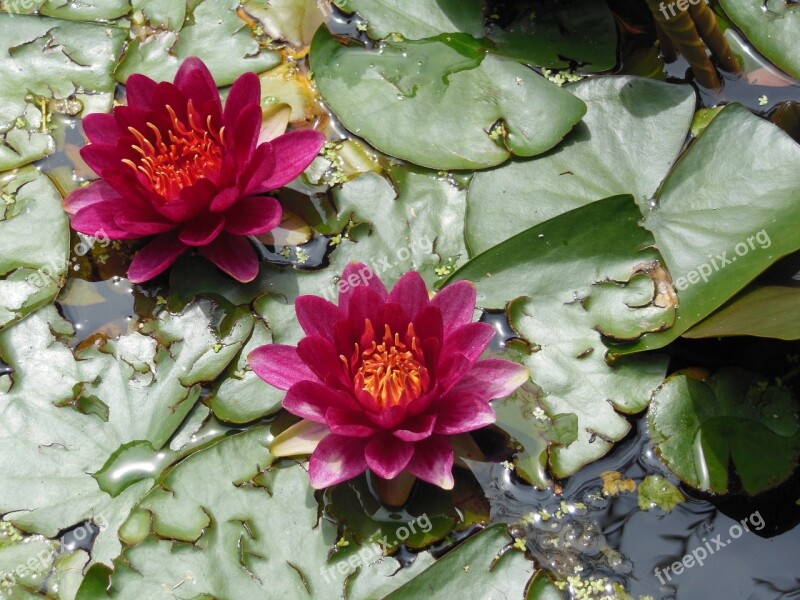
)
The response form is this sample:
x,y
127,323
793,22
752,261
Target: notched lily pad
x,y
469,110
701,428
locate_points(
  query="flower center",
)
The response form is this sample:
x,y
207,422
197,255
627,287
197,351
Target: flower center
x,y
187,154
392,371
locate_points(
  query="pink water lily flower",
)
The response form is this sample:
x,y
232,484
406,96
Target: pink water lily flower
x,y
175,165
385,379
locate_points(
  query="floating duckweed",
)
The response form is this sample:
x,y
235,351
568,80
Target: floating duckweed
x,y
302,256
561,77
520,544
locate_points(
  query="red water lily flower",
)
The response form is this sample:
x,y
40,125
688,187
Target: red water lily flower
x,y
383,380
175,165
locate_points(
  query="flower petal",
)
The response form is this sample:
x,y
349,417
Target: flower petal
x,y
102,157
253,216
95,192
459,412
470,340
192,201
321,356
457,303
411,293
311,400
358,274
280,366
350,422
101,128
142,223
203,230
387,456
100,218
318,316
140,90
242,137
196,82
155,258
245,91
417,428
300,438
275,123
433,461
336,459
234,255
495,377
225,199
294,151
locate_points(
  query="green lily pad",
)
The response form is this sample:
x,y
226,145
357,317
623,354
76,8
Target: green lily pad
x,y
46,66
295,21
588,271
772,311
157,14
727,211
656,491
419,19
469,110
229,524
591,164
31,273
534,431
772,27
701,428
93,10
137,388
555,35
212,31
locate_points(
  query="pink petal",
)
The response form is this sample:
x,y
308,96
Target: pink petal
x,y
280,366
142,223
203,230
294,151
225,199
428,323
349,421
234,255
366,304
101,157
321,356
140,90
358,274
95,192
452,370
411,293
336,459
242,137
253,216
433,461
192,201
155,258
196,82
457,303
495,377
311,400
470,340
459,412
245,91
100,218
101,128
261,165
387,456
417,428
317,316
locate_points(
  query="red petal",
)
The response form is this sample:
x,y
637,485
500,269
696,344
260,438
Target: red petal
x,y
100,218
321,356
317,316
459,412
433,461
139,90
336,459
142,223
355,275
253,216
101,157
417,428
193,201
224,200
97,191
280,366
311,400
101,128
243,136
411,293
196,82
457,303
387,456
245,91
294,151
203,230
155,258
234,255
350,422
470,340
495,377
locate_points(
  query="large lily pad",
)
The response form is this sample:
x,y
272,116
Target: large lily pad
x,y
555,35
469,110
31,273
91,10
592,163
701,428
419,19
135,389
587,271
50,65
212,31
772,26
772,311
727,211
